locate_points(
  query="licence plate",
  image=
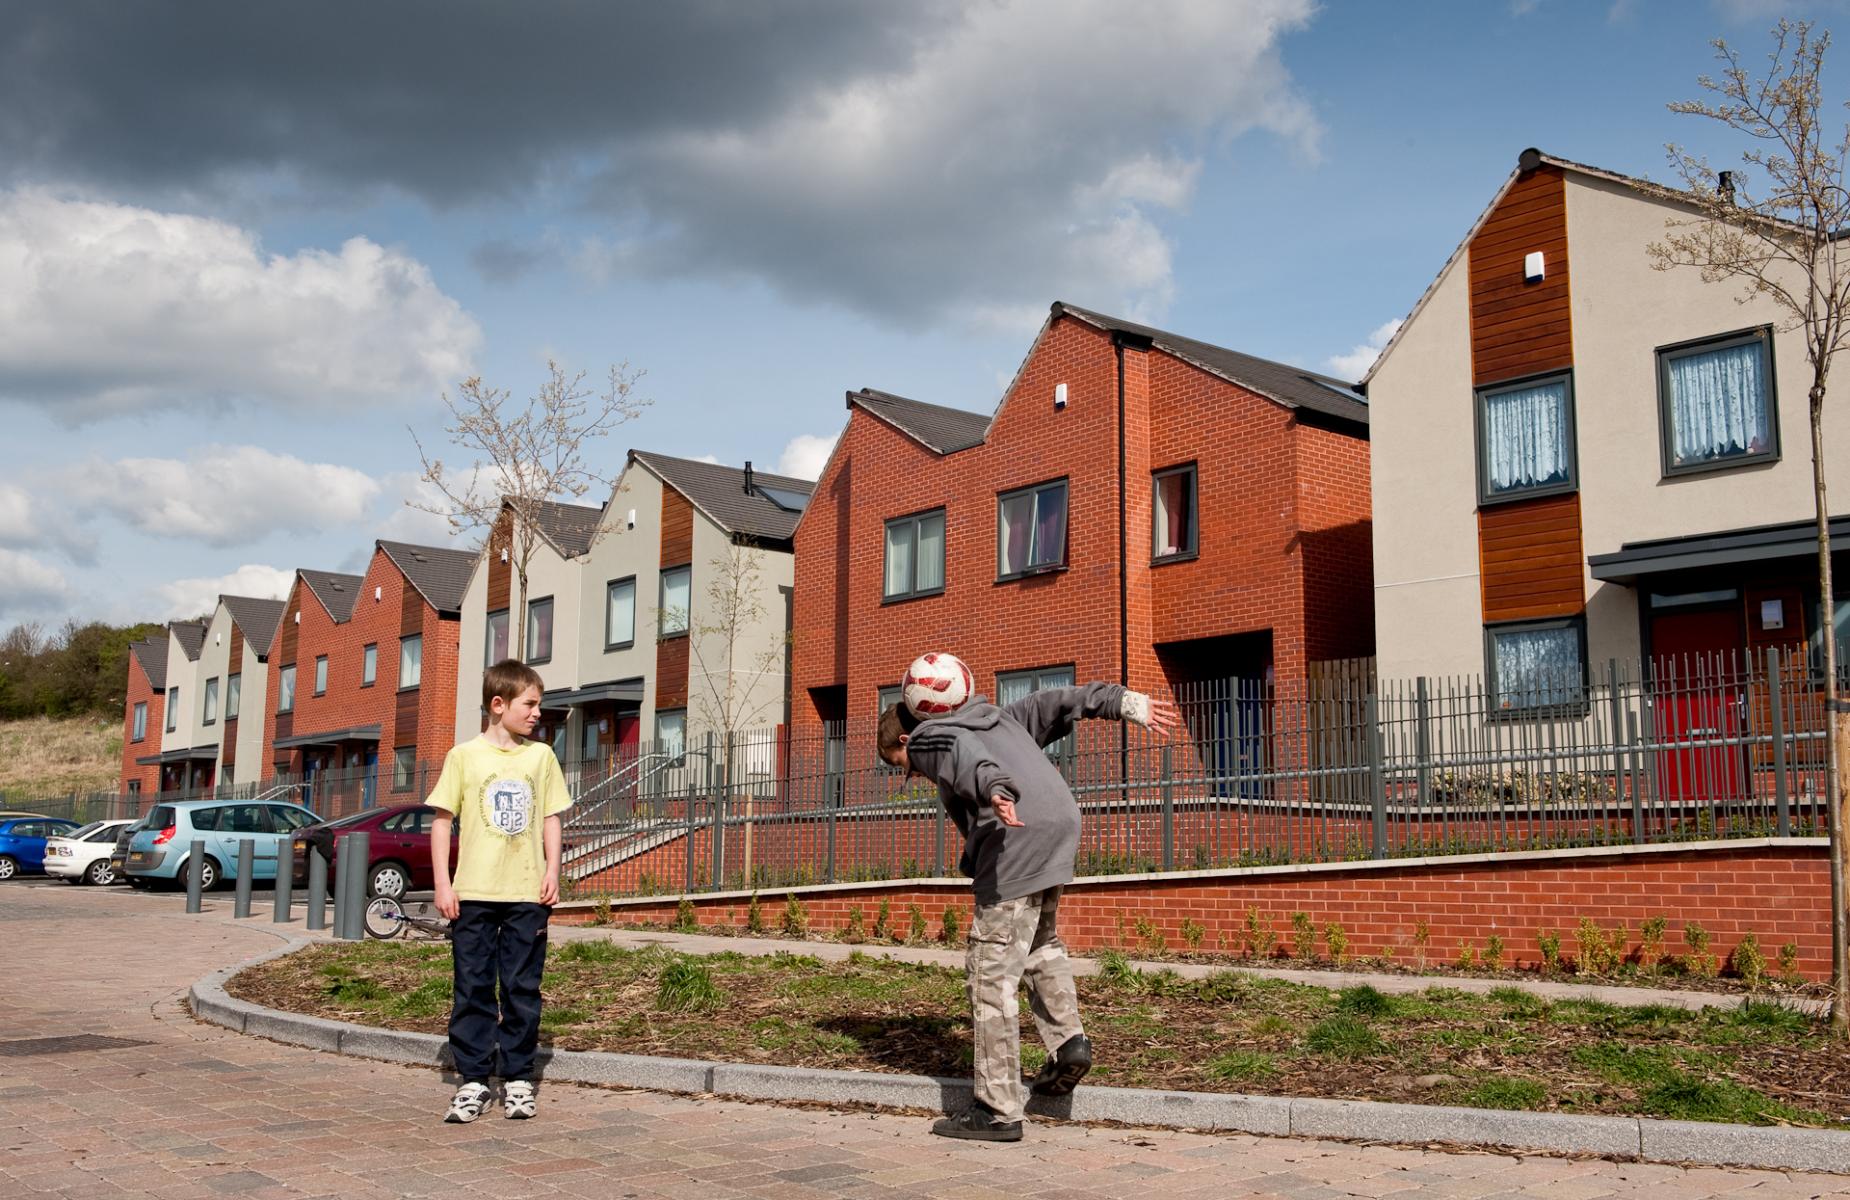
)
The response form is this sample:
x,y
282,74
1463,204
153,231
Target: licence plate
x,y
62,851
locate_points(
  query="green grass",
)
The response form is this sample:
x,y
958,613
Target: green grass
x,y
1245,1065
687,984
1343,1037
1364,1001
1514,1093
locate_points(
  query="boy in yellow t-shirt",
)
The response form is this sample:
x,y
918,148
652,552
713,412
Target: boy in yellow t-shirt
x,y
507,793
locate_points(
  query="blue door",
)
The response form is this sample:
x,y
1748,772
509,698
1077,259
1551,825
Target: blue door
x,y
369,778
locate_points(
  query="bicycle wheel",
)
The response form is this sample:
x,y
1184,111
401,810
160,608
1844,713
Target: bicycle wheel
x,y
384,918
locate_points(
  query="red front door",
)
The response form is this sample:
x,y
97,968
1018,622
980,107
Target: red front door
x,y
1699,689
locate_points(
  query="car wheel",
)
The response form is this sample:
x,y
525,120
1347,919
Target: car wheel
x,y
208,874
9,866
99,873
389,879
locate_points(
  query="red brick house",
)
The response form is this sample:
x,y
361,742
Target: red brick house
x,y
363,674
143,709
1141,506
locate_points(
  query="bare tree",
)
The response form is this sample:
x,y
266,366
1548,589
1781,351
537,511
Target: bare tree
x,y
729,667
1782,245
524,456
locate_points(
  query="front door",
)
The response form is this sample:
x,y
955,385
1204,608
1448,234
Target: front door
x,y
369,778
1699,695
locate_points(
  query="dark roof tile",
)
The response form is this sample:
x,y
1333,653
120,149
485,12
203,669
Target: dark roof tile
x,y
192,637
152,655
719,491
570,527
337,593
937,428
440,575
258,619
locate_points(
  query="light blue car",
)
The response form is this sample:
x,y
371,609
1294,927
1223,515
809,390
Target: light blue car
x,y
158,851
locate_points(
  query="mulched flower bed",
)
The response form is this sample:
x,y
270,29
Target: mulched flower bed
x,y
1762,1063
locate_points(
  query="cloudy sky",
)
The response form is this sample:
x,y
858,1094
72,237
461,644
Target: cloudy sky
x,y
245,248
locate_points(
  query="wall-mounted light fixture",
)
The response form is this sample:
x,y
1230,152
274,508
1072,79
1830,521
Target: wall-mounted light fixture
x,y
1059,397
1534,267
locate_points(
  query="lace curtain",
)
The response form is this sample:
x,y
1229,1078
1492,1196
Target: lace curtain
x,y
1525,437
1537,668
1718,403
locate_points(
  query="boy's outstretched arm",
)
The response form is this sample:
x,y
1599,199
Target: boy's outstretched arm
x,y
957,762
1050,714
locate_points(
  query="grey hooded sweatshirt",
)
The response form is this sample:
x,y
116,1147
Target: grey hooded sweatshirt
x,y
981,751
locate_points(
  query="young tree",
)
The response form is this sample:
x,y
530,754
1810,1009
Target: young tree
x,y
524,456
1781,244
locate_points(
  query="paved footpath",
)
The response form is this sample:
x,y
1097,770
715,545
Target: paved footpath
x,y
192,1110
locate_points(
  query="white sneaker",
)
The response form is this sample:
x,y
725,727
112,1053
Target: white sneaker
x,y
517,1099
467,1104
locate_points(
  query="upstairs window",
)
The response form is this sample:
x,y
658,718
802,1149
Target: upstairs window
x,y
1031,530
173,709
209,713
1526,439
285,689
369,665
1173,514
410,661
321,674
1716,402
677,596
494,648
620,613
539,630
234,696
141,721
915,556
1537,664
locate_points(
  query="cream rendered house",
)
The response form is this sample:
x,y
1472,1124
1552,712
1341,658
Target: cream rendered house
x,y
216,675
1578,458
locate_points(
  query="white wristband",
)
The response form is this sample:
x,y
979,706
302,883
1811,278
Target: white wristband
x,y
1135,708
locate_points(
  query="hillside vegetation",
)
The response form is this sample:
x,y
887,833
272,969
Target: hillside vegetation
x,y
45,756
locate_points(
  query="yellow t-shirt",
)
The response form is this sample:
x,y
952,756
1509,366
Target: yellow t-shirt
x,y
501,799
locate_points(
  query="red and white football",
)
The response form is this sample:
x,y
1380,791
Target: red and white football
x,y
935,685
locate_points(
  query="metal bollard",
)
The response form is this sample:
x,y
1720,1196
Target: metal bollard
x,y
343,862
317,898
195,859
360,846
247,866
285,883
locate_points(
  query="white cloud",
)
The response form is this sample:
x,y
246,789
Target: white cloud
x,y
1355,363
806,455
109,308
707,458
400,521
29,587
193,597
226,495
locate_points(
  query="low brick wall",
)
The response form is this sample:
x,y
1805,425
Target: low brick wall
x,y
1776,888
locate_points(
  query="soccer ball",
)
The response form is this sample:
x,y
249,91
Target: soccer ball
x,y
935,685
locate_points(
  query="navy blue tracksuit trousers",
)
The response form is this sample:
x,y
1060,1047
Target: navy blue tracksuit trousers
x,y
497,946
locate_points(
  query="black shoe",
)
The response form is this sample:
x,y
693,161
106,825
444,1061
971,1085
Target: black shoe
x,y
1062,1073
978,1124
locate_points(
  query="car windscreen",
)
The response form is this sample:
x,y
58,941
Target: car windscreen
x,y
82,833
349,819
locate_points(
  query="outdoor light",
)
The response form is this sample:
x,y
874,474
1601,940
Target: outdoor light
x,y
1532,269
632,523
378,593
1059,396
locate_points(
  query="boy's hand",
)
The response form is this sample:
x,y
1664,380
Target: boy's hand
x,y
1005,810
549,889
1164,718
446,901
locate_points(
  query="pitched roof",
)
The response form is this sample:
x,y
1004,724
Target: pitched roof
x,y
719,492
257,618
569,527
337,593
152,655
937,428
192,637
439,574
1293,387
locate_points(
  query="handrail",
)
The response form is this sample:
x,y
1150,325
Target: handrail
x,y
583,812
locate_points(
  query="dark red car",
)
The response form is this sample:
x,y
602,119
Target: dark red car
x,y
399,859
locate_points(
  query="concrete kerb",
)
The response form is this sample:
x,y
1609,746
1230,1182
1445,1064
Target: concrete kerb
x,y
1631,1138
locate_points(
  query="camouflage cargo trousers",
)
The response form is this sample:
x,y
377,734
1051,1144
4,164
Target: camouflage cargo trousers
x,y
1010,943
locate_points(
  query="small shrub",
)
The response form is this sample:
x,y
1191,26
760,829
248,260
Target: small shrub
x,y
796,917
600,912
1343,1037
686,919
1122,939
1550,944
1261,938
1651,943
883,920
1590,940
1193,932
951,927
754,916
854,931
1789,962
1614,954
1303,936
1749,961
1467,956
1422,938
916,928
1493,952
686,984
1336,941
1152,938
1698,961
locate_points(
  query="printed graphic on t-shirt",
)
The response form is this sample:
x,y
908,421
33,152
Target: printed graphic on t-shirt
x,y
508,804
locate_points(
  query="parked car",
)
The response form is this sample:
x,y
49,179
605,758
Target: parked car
x,y
158,852
9,813
118,857
22,843
398,860
82,855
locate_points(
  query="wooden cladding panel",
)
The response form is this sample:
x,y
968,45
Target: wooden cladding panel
x,y
500,570
405,717
671,673
287,637
228,740
1530,559
236,658
677,529
1520,328
411,612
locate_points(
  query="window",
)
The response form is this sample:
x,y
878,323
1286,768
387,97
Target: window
x,y
321,674
889,696
227,777
677,595
369,665
134,787
1537,664
1715,402
287,818
141,721
234,696
404,768
671,734
209,716
539,630
915,556
620,613
1031,530
1173,514
1018,685
410,661
285,689
494,648
173,709
1526,439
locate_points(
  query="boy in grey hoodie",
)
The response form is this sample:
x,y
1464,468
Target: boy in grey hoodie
x,y
1021,832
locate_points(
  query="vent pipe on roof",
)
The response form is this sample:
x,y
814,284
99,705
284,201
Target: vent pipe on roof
x,y
1724,183
748,477
1528,160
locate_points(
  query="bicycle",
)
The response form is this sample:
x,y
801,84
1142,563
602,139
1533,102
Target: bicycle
x,y
386,918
